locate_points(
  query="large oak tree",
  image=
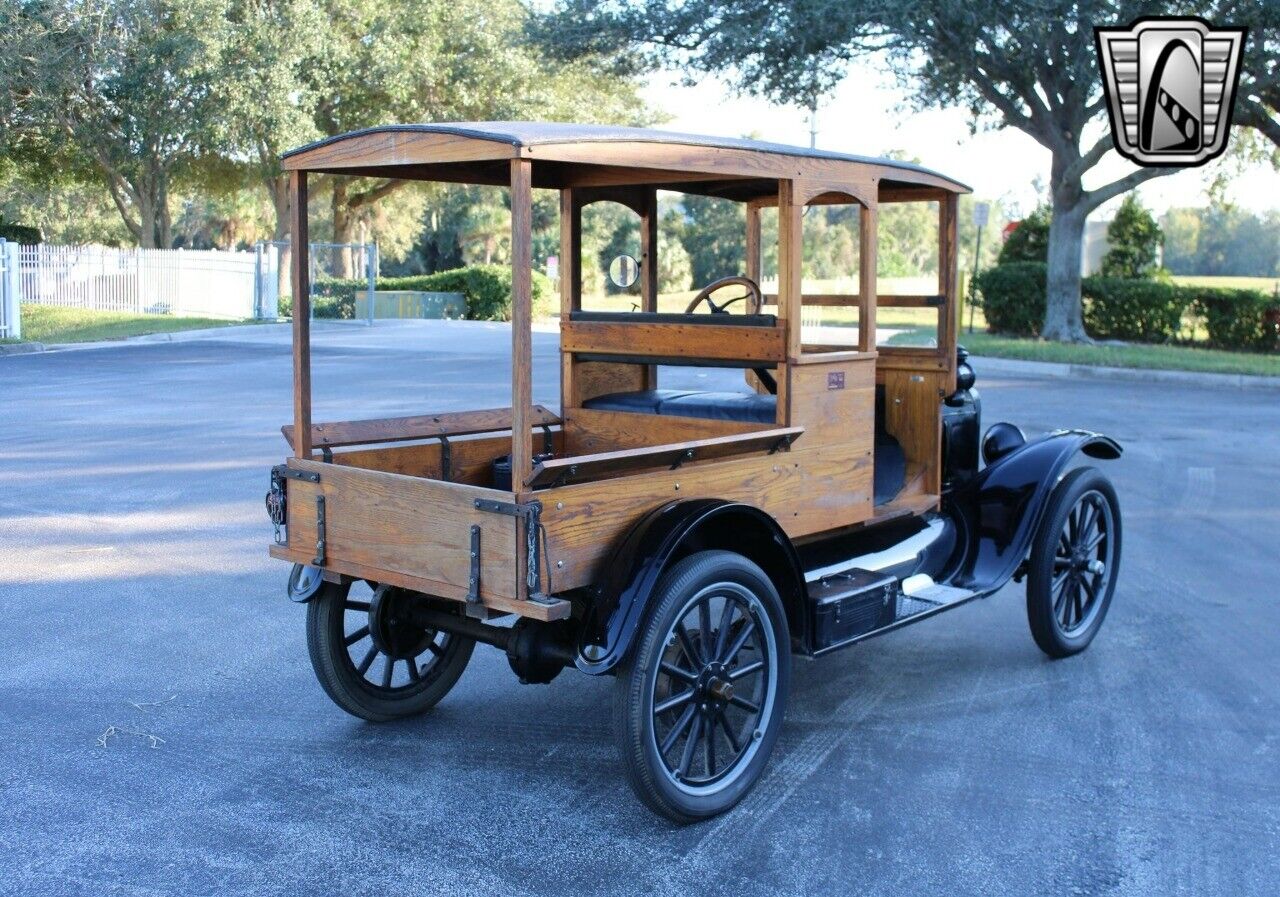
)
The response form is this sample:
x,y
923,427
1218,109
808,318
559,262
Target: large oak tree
x,y
1025,64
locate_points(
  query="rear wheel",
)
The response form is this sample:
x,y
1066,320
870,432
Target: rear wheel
x,y
700,701
1074,561
370,657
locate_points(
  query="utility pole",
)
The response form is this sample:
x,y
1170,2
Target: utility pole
x,y
980,212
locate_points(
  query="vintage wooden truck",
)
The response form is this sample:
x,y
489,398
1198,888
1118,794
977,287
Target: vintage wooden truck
x,y
686,542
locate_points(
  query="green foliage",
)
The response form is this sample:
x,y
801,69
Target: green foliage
x,y
1134,309
126,87
1029,241
1238,319
714,235
1013,297
1135,240
1222,240
1149,311
486,288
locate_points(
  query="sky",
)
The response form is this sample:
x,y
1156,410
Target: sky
x,y
863,117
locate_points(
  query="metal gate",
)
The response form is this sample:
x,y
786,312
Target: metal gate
x,y
10,291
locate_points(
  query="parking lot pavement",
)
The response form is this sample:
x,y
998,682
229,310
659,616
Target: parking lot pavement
x,y
163,732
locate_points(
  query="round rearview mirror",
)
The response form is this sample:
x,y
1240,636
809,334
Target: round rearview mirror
x,y
624,271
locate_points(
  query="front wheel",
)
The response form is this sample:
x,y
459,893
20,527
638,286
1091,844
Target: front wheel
x,y
699,703
1075,559
372,659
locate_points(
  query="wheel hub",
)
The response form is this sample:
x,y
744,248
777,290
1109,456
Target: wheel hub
x,y
714,689
391,628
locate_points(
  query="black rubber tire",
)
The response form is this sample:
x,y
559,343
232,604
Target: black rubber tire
x,y
348,688
633,718
1046,627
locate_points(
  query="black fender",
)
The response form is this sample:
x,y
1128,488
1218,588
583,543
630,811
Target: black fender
x,y
998,511
662,537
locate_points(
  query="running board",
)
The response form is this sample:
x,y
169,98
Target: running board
x,y
859,604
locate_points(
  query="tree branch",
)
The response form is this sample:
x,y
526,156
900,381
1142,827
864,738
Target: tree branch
x,y
1094,198
1255,115
1089,159
372,195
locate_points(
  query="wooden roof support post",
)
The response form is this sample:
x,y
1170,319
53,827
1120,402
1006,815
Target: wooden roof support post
x,y
570,284
948,277
790,263
867,278
753,241
790,285
649,250
649,265
521,319
301,283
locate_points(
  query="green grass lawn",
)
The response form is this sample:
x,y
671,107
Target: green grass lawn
x,y
54,324
1134,355
1264,284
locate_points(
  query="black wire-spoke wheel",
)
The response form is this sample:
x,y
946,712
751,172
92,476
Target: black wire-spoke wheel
x,y
372,659
700,702
1074,561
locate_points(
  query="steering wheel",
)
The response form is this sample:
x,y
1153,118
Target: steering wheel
x,y
753,296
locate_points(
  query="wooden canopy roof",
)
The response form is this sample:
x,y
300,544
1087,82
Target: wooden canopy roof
x,y
581,155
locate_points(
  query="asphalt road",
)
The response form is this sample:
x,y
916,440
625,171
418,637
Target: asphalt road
x,y
163,733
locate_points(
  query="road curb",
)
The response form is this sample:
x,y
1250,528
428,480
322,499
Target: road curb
x,y
233,332
1056,371
21,348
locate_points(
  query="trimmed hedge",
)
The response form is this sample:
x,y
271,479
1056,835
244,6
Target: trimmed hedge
x,y
486,288
1239,319
1013,297
20,233
1149,311
1146,311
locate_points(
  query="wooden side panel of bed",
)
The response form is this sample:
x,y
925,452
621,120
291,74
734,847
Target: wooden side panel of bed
x,y
823,482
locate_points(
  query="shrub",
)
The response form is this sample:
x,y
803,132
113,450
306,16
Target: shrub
x,y
1238,319
1013,297
1029,241
1135,239
486,288
1144,310
20,233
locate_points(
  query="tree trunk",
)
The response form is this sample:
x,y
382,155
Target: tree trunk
x,y
278,188
1063,314
343,227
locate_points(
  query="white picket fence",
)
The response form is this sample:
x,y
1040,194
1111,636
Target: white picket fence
x,y
189,283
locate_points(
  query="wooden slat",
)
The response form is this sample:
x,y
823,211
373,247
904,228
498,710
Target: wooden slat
x,y
557,610
470,457
584,467
868,249
753,242
426,426
723,342
589,431
301,283
883,300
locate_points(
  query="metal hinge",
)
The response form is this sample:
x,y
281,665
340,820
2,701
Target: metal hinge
x,y
318,560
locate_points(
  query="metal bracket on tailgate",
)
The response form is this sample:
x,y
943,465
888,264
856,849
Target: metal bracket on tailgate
x,y
535,541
